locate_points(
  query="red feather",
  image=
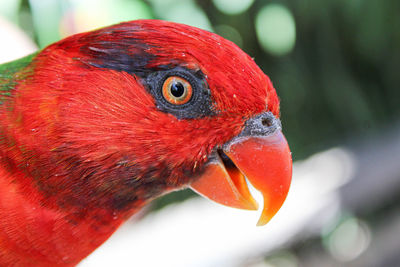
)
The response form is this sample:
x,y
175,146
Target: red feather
x,y
80,126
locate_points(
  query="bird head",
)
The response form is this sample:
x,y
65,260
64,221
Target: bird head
x,y
126,113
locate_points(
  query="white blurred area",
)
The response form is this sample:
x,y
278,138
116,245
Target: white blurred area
x,y
17,44
199,233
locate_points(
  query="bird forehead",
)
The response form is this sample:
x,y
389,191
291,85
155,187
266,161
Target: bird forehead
x,y
234,78
145,46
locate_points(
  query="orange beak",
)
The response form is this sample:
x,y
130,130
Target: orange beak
x,y
263,157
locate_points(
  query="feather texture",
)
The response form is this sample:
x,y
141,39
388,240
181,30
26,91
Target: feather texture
x,y
84,144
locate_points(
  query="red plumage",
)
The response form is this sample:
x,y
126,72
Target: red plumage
x,y
84,144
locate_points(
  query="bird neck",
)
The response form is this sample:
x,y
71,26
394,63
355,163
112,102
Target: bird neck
x,y
27,228
41,207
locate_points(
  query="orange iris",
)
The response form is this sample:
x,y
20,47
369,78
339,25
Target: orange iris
x,y
177,90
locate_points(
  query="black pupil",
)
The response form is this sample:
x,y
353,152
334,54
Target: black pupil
x,y
177,89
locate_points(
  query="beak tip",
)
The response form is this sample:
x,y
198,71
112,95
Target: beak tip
x,y
253,205
265,218
259,224
263,221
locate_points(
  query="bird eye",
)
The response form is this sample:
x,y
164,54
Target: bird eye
x,y
177,90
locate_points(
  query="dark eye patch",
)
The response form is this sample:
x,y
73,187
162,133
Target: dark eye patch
x,y
200,105
113,55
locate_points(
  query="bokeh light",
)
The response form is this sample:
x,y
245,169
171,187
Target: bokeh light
x,y
232,7
48,28
349,239
229,33
186,12
9,9
276,29
92,14
282,259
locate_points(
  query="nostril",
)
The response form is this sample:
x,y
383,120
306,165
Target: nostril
x,y
267,122
261,125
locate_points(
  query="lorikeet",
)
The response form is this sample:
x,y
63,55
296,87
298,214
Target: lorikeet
x,y
95,126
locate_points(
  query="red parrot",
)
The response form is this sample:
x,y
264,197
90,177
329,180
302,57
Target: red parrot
x,y
95,126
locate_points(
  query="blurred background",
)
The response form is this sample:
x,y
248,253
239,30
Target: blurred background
x,y
336,67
